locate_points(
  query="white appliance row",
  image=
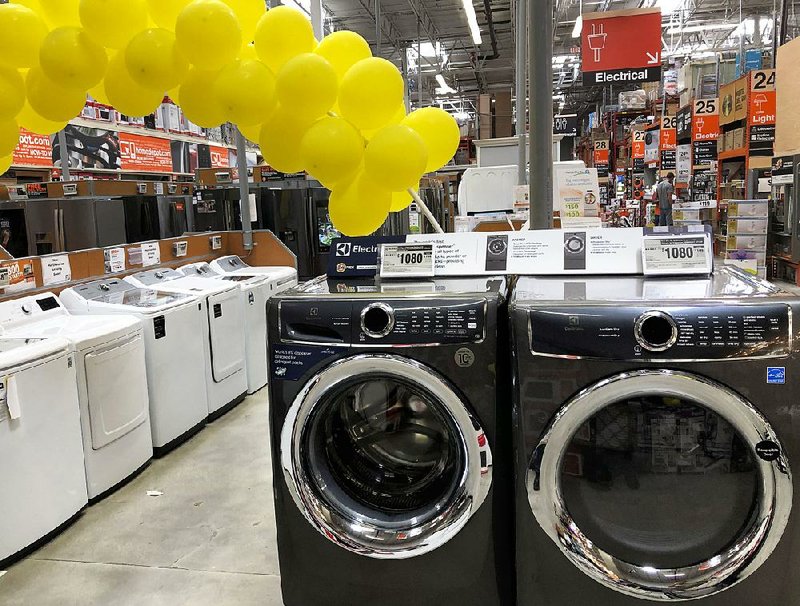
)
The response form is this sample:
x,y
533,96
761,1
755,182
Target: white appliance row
x,y
93,382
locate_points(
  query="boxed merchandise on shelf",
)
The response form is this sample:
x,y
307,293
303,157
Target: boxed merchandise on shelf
x,y
746,241
747,226
686,215
748,209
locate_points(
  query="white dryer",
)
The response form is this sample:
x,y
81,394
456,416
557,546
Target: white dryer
x,y
112,383
173,352
42,479
258,284
223,332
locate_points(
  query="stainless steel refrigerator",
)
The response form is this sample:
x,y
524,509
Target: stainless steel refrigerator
x,y
67,224
13,233
216,210
173,216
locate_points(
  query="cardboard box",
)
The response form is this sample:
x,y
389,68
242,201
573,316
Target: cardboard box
x,y
726,104
729,140
485,117
503,114
748,226
740,97
738,138
748,209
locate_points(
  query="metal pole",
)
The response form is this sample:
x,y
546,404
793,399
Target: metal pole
x,y
419,67
522,93
63,155
377,28
316,18
540,49
244,191
406,78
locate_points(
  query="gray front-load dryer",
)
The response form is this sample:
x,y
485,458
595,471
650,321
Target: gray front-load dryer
x,y
656,429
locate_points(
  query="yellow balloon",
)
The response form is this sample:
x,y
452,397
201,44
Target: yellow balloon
x,y
30,120
113,22
401,200
209,34
396,158
5,163
440,132
164,13
249,12
245,90
249,52
52,101
154,60
58,13
71,58
281,34
9,136
397,118
370,92
307,84
197,103
23,33
12,93
251,132
359,208
332,151
343,49
98,93
125,94
280,140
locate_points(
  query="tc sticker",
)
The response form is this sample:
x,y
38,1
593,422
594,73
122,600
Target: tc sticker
x,y
464,357
776,375
768,450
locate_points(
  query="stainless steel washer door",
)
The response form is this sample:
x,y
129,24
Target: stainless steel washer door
x,y
383,458
661,485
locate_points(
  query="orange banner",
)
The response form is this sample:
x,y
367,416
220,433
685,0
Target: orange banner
x,y
33,150
705,120
601,156
145,154
762,97
638,144
669,133
219,157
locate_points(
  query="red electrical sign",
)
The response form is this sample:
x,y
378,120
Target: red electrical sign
x,y
621,46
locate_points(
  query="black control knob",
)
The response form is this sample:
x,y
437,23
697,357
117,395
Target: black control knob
x,y
655,331
377,320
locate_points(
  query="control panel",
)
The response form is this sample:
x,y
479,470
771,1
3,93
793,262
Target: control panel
x,y
95,290
156,276
383,322
29,309
232,263
664,333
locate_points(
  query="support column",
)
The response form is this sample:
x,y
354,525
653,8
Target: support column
x,y
244,191
522,93
540,48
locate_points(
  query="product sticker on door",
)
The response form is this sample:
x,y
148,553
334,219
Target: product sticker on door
x,y
290,362
56,270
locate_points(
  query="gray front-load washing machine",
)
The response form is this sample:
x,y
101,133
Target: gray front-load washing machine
x,y
656,425
391,443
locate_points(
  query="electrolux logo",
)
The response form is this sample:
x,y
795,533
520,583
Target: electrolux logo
x,y
343,249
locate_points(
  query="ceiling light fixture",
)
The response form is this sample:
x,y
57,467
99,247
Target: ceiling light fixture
x,y
472,20
688,29
576,32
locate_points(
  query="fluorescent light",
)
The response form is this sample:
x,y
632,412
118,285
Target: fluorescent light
x,y
576,32
472,20
688,29
670,6
444,86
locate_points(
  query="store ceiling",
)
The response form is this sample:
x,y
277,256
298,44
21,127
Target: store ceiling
x,y
697,26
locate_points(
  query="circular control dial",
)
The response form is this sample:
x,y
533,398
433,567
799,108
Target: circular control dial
x,y
377,320
655,331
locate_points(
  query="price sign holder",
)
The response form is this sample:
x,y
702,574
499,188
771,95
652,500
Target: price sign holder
x,y
407,260
683,254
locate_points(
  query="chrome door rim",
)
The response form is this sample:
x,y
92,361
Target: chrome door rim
x,y
716,574
357,533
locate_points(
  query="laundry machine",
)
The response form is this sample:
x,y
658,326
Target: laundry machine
x,y
655,435
390,438
112,383
223,332
42,479
173,346
258,284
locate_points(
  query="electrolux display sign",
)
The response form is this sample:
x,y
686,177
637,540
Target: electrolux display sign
x,y
621,46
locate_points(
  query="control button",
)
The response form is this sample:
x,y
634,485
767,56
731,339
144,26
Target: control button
x,y
26,308
655,331
377,320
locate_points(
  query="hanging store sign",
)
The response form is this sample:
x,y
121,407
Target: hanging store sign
x,y
669,134
145,154
783,170
704,152
219,157
33,150
601,155
683,123
762,98
705,120
683,164
652,139
621,46
566,125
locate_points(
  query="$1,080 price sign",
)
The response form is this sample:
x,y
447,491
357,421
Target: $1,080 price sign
x,y
676,254
407,261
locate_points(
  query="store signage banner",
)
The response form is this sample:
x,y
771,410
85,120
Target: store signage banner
x,y
637,151
705,152
651,146
56,269
762,98
669,135
783,170
33,150
683,123
21,276
145,154
219,157
683,164
566,124
620,47
705,120
577,191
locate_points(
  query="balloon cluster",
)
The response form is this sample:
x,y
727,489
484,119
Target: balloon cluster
x,y
328,107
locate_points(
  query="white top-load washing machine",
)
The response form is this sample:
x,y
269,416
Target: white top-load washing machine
x,y
112,383
42,479
258,284
174,349
223,332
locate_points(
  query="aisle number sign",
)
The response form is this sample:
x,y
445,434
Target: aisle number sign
x,y
638,144
601,152
762,97
705,120
669,133
621,46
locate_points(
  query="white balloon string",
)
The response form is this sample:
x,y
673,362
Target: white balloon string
x,y
426,211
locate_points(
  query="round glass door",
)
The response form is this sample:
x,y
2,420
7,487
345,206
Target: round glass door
x,y
661,485
383,457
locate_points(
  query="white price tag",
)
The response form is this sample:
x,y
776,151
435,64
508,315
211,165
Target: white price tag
x,y
407,260
677,254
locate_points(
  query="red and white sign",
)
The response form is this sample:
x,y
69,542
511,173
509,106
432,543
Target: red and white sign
x,y
705,120
669,133
33,150
145,154
637,152
220,157
762,97
621,46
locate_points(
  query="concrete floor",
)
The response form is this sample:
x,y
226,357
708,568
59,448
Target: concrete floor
x,y
208,540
